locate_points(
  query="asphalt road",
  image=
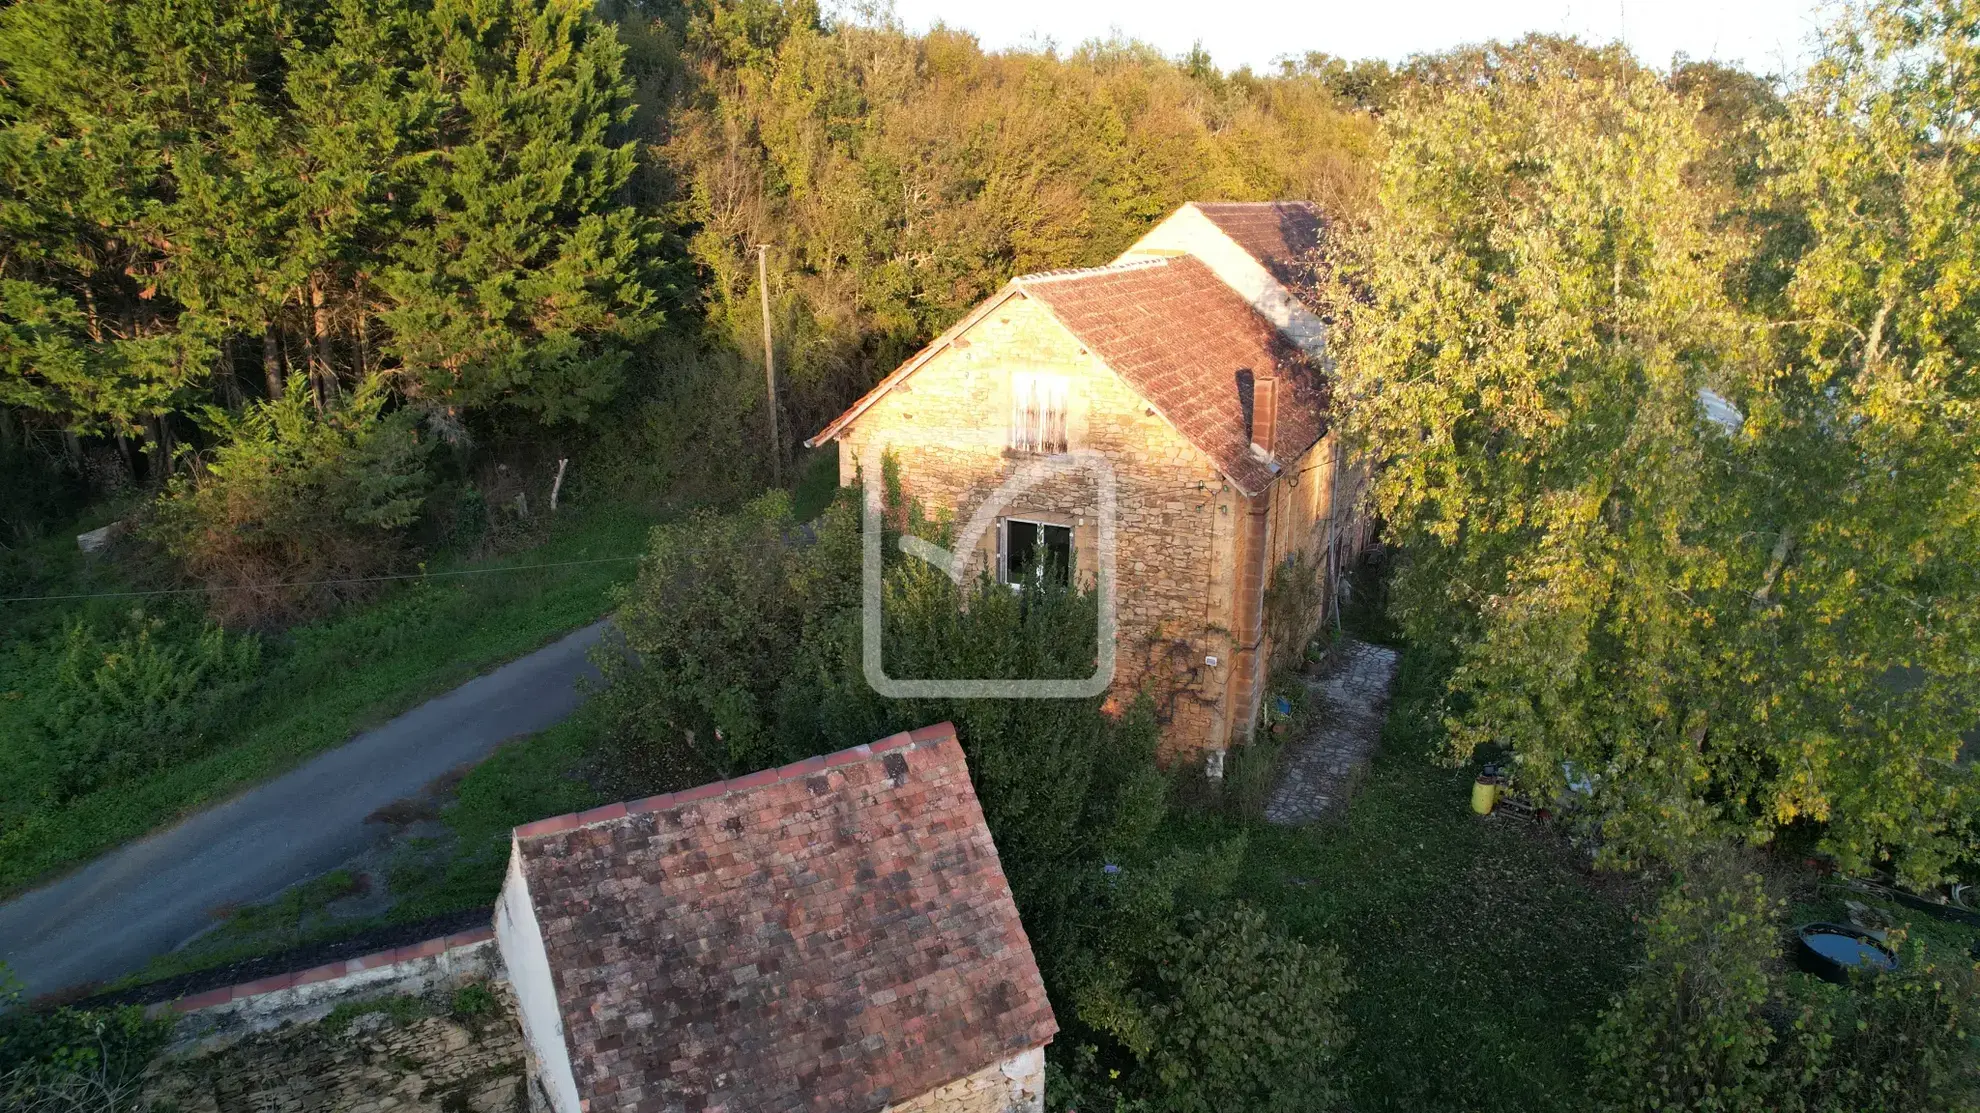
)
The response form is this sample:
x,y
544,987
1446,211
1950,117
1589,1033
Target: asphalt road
x,y
143,899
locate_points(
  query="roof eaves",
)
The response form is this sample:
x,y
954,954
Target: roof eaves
x,y
919,738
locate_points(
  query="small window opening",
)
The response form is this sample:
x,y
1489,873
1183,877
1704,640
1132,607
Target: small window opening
x,y
1036,550
1038,412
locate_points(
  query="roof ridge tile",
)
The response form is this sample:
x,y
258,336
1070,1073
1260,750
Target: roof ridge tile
x,y
1060,274
921,737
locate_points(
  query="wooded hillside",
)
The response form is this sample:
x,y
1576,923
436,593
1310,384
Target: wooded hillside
x,y
474,225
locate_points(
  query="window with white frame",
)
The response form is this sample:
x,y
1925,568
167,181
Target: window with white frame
x,y
1038,412
1028,550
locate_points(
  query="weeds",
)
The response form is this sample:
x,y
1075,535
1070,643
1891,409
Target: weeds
x,y
319,684
472,1001
399,1009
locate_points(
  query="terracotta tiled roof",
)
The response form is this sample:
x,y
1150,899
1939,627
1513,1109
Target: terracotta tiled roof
x,y
833,935
1281,235
1179,336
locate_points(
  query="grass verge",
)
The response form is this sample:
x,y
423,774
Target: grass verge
x,y
458,867
1482,950
328,680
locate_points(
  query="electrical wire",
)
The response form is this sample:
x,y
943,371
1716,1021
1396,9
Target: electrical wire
x,y
311,583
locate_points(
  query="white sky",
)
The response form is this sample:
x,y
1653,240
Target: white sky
x,y
1767,36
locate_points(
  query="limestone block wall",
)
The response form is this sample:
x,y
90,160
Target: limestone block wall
x,y
1175,530
1302,502
1016,1085
220,1016
378,1061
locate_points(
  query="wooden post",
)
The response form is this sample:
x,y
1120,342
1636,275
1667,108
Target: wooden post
x,y
769,366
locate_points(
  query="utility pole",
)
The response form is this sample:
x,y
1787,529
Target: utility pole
x,y
769,366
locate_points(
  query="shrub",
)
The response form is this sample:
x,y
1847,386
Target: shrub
x,y
1242,1017
714,623
1689,1032
75,1060
473,1000
692,429
1901,1043
1714,1022
133,702
296,510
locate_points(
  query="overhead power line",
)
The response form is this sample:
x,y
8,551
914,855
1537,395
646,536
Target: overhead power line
x,y
311,583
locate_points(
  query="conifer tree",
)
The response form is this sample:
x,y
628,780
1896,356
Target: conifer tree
x,y
337,188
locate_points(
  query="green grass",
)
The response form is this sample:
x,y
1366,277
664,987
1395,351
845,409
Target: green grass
x,y
1481,951
328,680
293,919
817,482
529,779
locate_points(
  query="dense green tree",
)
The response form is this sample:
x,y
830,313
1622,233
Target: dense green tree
x,y
1860,478
1731,625
1534,314
520,276
295,507
902,178
336,187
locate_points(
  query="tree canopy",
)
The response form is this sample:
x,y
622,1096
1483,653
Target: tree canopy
x,y
1730,625
431,193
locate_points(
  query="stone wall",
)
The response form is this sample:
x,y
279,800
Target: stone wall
x,y
1304,511
1176,525
406,1055
1016,1085
435,966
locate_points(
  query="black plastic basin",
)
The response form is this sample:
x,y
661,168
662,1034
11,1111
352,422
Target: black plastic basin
x,y
1832,951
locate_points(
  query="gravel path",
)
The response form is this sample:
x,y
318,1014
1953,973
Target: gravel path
x,y
145,898
1320,770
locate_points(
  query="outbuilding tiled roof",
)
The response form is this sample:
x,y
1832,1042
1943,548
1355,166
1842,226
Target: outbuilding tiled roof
x,y
1179,336
1282,235
834,935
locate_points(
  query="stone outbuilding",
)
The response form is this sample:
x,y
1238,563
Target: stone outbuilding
x,y
1195,365
834,935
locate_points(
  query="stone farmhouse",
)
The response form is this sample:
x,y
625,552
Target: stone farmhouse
x,y
835,936
1196,366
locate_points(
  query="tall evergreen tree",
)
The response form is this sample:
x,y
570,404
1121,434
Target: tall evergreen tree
x,y
342,188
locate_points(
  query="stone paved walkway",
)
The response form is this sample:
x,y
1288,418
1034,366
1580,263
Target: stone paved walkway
x,y
1320,770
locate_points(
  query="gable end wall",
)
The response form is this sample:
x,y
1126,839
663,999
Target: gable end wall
x,y
1188,232
1016,1085
1177,521
521,940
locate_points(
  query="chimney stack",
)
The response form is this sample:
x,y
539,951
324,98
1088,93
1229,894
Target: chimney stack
x,y
1247,401
1264,421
